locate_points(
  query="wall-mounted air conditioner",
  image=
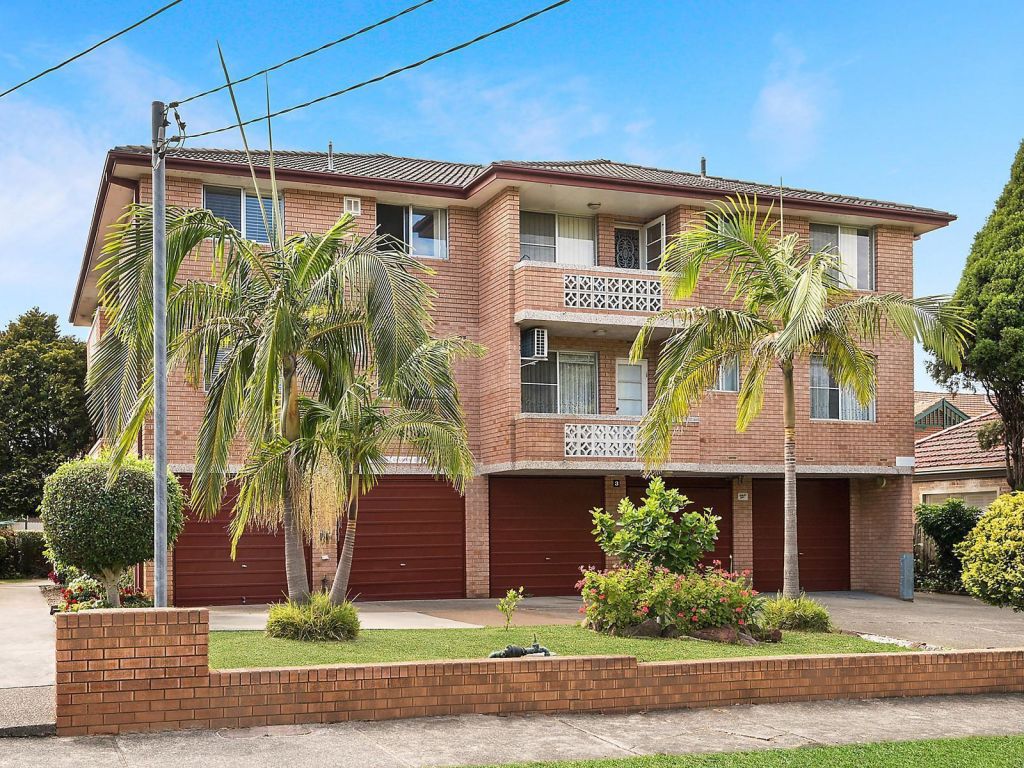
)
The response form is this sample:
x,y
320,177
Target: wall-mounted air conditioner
x,y
533,344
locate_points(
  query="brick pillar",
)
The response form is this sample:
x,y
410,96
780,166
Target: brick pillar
x,y
612,496
881,530
742,524
478,538
325,560
147,577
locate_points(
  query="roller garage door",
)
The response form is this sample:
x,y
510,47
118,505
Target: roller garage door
x,y
823,534
541,532
411,542
715,493
205,574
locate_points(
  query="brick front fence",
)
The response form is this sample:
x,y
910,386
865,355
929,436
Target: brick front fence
x,y
139,670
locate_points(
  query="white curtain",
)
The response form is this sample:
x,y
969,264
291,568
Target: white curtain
x,y
577,382
575,240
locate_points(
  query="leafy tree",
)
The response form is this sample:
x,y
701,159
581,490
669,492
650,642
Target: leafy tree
x,y
660,531
792,303
43,417
990,291
105,528
993,554
948,524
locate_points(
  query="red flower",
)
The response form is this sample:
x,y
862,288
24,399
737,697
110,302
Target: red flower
x,y
693,618
739,610
742,622
582,609
723,599
600,597
644,609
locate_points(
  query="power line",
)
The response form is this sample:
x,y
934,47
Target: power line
x,y
106,40
385,76
292,60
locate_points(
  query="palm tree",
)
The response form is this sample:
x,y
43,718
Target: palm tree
x,y
347,444
788,303
276,322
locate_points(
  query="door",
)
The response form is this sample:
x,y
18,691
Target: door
x,y
205,574
542,532
823,534
705,493
652,242
410,542
630,388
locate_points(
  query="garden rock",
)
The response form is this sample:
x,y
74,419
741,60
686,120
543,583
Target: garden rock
x,y
717,634
647,628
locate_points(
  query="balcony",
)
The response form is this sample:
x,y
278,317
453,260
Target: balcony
x,y
568,440
616,294
604,441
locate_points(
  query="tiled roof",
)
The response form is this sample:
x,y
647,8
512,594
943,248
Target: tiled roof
x,y
462,175
957,447
969,402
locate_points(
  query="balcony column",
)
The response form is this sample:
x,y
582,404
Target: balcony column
x,y
614,492
478,537
742,524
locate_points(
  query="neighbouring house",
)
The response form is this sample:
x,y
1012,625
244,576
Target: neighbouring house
x,y
951,463
936,411
550,265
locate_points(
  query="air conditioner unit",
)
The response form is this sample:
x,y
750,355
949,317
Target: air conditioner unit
x,y
533,344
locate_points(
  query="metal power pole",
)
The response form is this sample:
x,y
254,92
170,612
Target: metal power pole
x,y
159,356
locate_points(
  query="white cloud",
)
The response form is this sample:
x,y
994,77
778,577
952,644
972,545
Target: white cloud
x,y
791,108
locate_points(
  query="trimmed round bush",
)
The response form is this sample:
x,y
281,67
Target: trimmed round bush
x,y
801,614
318,619
104,529
993,554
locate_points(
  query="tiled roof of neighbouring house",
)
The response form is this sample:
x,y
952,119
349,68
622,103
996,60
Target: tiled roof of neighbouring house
x,y
957,447
461,175
969,402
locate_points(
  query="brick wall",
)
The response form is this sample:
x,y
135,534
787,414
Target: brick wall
x,y
881,530
146,670
478,538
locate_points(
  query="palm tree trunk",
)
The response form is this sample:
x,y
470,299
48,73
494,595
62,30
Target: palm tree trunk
x,y
339,589
294,546
791,551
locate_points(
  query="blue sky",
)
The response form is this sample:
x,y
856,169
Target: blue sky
x,y
918,102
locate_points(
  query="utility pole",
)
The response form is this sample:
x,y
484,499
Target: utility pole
x,y
159,355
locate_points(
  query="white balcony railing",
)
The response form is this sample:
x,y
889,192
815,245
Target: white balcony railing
x,y
624,294
615,441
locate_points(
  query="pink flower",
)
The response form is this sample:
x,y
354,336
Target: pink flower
x,y
739,610
693,618
723,599
742,622
582,609
745,572
644,609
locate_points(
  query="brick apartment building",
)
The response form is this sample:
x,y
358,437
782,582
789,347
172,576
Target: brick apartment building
x,y
570,248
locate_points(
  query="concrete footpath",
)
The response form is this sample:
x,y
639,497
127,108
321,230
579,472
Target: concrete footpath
x,y
483,740
27,655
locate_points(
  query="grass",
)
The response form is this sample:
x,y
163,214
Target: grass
x,y
254,649
974,752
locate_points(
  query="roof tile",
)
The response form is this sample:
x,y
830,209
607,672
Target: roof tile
x,y
957,447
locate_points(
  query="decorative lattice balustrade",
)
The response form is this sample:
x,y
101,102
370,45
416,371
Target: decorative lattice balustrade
x,y
616,441
624,294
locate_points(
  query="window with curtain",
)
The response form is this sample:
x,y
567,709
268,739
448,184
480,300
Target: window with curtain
x,y
550,237
564,383
422,232
728,377
829,400
241,209
855,247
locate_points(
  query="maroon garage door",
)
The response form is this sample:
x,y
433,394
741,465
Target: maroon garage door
x,y
411,541
205,574
823,534
541,532
715,493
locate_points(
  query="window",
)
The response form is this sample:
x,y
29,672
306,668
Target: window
x,y
652,237
218,362
980,499
421,231
855,247
627,248
556,238
630,388
831,401
728,377
564,383
353,206
230,204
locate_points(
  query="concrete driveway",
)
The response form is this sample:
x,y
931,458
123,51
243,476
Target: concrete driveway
x,y
947,621
27,659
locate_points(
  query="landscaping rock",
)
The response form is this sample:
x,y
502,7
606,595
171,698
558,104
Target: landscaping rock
x,y
647,628
717,634
745,638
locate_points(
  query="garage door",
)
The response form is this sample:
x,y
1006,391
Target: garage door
x,y
703,492
205,574
541,532
823,534
411,541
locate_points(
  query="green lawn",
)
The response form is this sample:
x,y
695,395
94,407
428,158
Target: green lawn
x,y
983,752
254,649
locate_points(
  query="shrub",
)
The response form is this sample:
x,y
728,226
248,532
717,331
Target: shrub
x,y
31,560
104,529
508,604
85,593
947,524
620,598
318,619
658,531
800,613
993,554
8,554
